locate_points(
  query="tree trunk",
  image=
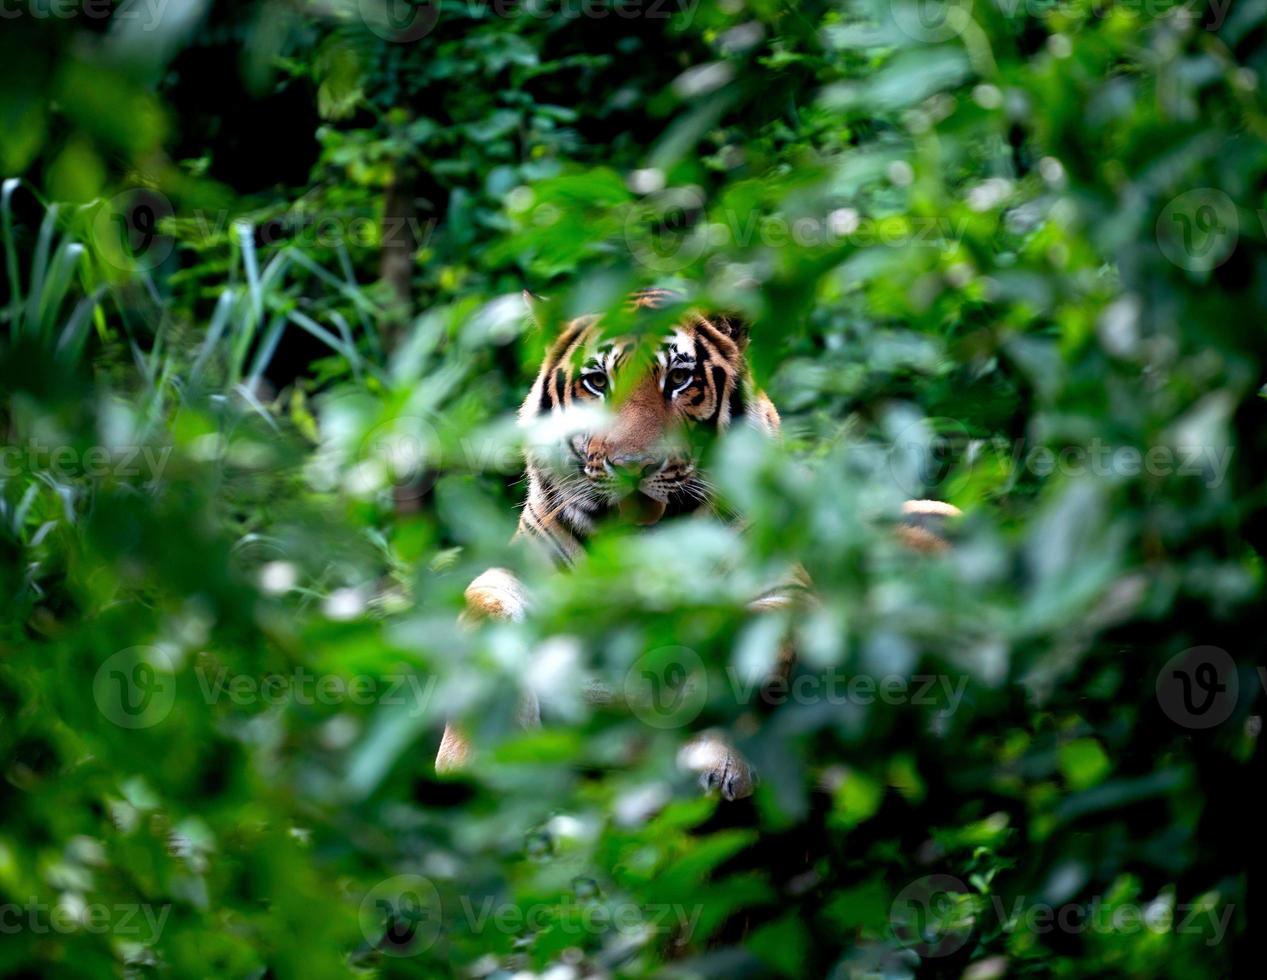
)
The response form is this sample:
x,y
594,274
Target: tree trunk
x,y
396,260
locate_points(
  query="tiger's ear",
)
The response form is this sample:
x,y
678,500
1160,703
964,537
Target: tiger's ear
x,y
734,327
538,309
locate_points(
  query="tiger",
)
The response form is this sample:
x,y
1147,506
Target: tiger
x,y
635,464
699,377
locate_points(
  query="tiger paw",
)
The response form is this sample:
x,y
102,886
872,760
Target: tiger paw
x,y
924,525
455,751
719,765
496,594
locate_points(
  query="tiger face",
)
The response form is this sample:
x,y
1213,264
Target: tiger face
x,y
636,410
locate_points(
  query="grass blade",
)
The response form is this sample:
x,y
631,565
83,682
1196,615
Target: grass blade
x,y
305,322
219,319
39,268
7,191
268,347
57,286
71,343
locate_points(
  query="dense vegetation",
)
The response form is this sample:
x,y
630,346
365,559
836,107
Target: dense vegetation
x,y
261,341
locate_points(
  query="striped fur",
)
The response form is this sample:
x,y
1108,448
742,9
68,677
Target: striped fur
x,y
696,377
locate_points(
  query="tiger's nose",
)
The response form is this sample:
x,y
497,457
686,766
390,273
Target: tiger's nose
x,y
633,465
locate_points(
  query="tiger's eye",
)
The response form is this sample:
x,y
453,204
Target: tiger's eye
x,y
679,376
597,380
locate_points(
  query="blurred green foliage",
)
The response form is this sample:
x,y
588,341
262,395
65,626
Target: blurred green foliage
x,y
1009,255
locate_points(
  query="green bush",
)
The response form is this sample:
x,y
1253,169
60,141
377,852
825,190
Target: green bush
x,y
261,343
